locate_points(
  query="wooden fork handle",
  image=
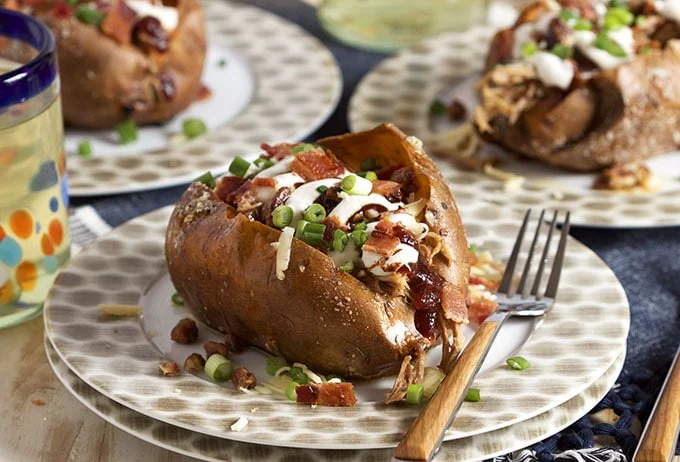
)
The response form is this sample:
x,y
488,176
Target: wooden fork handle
x,y
425,433
658,441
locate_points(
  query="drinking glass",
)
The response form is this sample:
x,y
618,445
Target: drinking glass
x,y
387,25
34,236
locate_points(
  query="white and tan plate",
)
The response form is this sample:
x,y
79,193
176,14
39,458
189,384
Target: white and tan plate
x,y
278,83
570,348
209,448
401,89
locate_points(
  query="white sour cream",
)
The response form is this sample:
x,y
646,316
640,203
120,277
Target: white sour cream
x,y
419,230
305,195
288,180
403,255
167,15
352,204
669,9
278,168
553,70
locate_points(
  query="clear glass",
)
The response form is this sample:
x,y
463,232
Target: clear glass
x,y
34,234
388,25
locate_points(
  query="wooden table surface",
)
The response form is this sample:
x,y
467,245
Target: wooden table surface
x,y
62,429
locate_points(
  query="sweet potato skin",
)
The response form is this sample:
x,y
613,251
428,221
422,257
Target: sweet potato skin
x,y
102,80
224,267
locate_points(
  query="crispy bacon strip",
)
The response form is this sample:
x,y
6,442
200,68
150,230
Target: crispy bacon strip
x,y
388,189
227,185
327,394
452,308
316,165
278,151
119,22
380,243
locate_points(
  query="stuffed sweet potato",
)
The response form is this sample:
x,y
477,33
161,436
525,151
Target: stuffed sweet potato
x,y
583,85
347,255
124,59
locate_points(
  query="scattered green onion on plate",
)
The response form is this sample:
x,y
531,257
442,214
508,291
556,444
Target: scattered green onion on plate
x,y
473,395
274,363
85,149
192,128
177,300
207,179
218,368
518,363
239,167
290,391
127,131
414,393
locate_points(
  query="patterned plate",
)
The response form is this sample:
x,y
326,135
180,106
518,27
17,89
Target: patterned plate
x,y
208,448
297,84
569,349
401,89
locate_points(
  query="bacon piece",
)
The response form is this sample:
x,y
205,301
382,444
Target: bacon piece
x,y
380,243
315,164
169,368
194,363
61,10
243,378
264,182
236,195
452,302
234,343
227,185
186,331
327,394
278,151
212,348
390,189
480,309
119,22
203,93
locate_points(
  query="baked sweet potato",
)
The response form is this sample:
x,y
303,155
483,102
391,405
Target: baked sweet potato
x,y
353,320
118,64
620,105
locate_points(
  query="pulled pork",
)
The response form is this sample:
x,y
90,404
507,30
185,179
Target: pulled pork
x,y
412,369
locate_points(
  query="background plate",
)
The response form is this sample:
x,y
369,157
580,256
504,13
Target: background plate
x,y
207,448
571,348
401,89
297,86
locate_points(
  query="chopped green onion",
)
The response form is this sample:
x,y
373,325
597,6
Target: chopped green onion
x,y
603,42
274,363
313,239
356,186
622,14
348,267
221,62
618,3
127,132
518,363
474,248
371,176
583,24
333,376
85,149
473,395
414,393
282,216
72,2
646,50
290,391
368,164
339,241
303,148
322,189
566,15
207,179
263,163
528,49
192,128
361,225
239,167
177,300
218,368
639,20
298,375
612,23
304,226
359,236
563,51
89,15
438,107
315,213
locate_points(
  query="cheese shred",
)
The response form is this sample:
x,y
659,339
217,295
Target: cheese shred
x,y
283,252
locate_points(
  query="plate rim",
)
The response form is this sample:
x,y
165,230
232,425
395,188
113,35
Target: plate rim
x,y
573,391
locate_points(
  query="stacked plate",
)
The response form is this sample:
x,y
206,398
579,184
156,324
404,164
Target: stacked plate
x,y
111,364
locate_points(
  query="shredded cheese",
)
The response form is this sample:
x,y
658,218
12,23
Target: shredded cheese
x,y
121,310
283,252
240,424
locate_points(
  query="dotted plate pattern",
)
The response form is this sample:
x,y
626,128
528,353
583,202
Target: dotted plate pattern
x,y
570,348
400,90
281,109
203,447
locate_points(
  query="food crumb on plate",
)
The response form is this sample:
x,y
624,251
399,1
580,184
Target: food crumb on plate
x,y
240,424
120,310
38,402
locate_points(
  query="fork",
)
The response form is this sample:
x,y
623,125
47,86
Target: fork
x,y
424,437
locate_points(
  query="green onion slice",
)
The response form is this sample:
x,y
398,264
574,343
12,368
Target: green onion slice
x,y
361,225
370,176
566,15
563,51
315,213
622,14
207,179
339,241
263,163
298,375
282,216
414,393
322,189
473,395
177,300
333,376
239,167
474,248
85,149
313,239
518,363
347,267
603,42
438,107
368,164
529,49
89,15
583,24
356,186
127,132
192,128
274,363
303,148
218,368
359,236
646,50
290,391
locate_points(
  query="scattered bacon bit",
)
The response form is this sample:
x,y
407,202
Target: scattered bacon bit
x,y
169,368
327,394
380,243
186,331
453,303
62,10
480,309
118,22
38,402
11,5
390,189
243,378
316,165
194,363
492,286
203,93
236,195
235,344
406,177
278,151
215,347
264,182
456,111
227,185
